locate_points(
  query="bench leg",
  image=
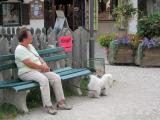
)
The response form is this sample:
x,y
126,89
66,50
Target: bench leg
x,y
17,98
1,96
74,85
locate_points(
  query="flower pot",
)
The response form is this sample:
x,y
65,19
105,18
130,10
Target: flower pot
x,y
106,50
122,54
150,57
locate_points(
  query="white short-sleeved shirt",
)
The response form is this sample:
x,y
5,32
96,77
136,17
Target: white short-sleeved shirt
x,y
22,53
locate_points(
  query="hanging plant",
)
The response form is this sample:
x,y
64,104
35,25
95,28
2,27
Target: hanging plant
x,y
124,12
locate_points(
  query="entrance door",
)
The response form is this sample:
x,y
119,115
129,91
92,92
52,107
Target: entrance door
x,y
73,9
49,13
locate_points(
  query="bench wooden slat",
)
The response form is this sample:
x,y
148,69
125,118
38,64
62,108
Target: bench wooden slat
x,y
7,57
82,73
62,69
50,50
72,71
25,86
56,57
7,66
14,84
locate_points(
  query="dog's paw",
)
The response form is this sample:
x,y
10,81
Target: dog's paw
x,y
104,94
93,95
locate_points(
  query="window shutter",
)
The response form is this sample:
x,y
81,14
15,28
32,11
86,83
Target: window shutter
x,y
0,14
25,14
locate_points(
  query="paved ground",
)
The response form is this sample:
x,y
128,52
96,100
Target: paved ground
x,y
135,96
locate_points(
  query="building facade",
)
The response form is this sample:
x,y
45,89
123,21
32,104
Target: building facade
x,y
41,13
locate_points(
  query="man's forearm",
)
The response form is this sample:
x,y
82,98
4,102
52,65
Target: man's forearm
x,y
32,65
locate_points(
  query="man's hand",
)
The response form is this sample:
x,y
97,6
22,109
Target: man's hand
x,y
45,68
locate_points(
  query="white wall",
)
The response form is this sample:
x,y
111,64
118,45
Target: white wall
x,y
27,1
132,28
36,24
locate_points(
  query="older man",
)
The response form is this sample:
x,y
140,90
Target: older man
x,y
32,67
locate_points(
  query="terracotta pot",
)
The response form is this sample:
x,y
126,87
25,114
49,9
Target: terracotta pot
x,y
106,50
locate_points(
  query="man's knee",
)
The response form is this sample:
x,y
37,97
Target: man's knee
x,y
43,81
57,78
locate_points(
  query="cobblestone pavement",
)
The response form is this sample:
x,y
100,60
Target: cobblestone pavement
x,y
134,96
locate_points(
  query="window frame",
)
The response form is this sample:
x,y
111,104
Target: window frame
x,y
40,3
19,17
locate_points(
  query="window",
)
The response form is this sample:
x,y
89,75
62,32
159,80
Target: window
x,y
149,7
11,13
36,9
105,9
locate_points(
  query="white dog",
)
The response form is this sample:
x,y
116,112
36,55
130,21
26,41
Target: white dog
x,y
99,86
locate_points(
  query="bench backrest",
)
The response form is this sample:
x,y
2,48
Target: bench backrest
x,y
50,54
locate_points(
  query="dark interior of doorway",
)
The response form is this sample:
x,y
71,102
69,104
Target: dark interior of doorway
x,y
50,7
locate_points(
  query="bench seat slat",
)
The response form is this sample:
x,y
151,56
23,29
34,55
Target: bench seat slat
x,y
62,69
25,86
72,71
14,84
56,57
82,73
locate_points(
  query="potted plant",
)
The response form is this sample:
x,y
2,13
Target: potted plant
x,y
123,13
149,26
122,50
148,51
104,40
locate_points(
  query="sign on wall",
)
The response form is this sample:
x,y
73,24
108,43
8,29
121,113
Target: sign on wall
x,y
36,9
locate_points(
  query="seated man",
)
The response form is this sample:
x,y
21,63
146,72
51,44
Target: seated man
x,y
32,67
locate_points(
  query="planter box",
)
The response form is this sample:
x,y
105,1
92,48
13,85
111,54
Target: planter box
x,y
150,57
122,54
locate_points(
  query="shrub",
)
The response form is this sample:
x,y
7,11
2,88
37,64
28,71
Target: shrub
x,y
149,26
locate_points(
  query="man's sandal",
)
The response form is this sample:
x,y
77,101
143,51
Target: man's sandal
x,y
51,110
63,107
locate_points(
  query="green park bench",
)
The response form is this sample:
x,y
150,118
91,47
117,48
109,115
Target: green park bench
x,y
16,90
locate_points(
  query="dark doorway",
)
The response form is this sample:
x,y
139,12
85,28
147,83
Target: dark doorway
x,y
49,13
73,9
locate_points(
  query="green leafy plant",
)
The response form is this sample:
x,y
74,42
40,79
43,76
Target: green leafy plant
x,y
104,40
123,13
149,26
127,10
8,112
